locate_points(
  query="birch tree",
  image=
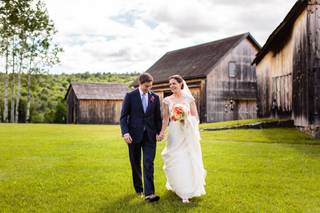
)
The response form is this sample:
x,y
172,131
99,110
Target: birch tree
x,y
26,43
42,51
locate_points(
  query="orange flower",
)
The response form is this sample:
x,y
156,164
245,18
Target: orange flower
x,y
179,112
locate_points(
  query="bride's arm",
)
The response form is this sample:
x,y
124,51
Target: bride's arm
x,y
165,119
193,110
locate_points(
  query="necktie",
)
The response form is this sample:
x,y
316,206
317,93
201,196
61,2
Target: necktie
x,y
144,102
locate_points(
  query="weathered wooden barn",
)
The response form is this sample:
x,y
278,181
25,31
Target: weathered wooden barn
x,y
219,73
288,68
94,103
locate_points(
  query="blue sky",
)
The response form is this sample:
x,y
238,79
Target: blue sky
x,y
130,35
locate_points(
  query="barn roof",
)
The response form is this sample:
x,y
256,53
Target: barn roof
x,y
195,61
282,31
99,91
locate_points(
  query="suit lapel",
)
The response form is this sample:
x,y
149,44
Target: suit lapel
x,y
149,101
139,99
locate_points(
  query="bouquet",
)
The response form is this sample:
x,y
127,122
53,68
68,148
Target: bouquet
x,y
179,112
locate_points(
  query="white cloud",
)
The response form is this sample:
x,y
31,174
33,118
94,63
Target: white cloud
x,y
130,35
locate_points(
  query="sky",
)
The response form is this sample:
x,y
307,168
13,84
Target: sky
x,y
130,35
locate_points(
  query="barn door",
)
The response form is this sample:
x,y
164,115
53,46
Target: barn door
x,y
235,110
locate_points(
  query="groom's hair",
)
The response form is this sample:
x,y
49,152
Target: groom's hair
x,y
145,77
178,78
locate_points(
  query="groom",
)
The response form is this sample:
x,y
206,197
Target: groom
x,y
140,123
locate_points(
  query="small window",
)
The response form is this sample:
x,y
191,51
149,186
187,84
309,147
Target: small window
x,y
232,70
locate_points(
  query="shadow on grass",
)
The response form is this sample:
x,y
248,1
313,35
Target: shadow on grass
x,y
295,139
169,202
289,136
272,135
172,199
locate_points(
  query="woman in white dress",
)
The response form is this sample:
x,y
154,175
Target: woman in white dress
x,y
182,155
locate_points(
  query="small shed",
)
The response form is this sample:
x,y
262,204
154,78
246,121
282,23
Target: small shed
x,y
219,73
95,103
288,68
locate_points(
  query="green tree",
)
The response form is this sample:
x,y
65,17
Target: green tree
x,y
42,51
60,112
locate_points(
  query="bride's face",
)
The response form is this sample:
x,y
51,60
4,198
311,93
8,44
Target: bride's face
x,y
175,86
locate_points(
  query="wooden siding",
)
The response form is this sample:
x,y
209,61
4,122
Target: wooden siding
x,y
99,111
220,88
72,108
314,39
300,73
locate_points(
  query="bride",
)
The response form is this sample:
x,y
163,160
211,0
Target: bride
x,y
182,155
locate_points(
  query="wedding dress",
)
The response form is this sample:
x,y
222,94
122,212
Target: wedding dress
x,y
182,155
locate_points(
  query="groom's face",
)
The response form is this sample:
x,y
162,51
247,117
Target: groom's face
x,y
146,87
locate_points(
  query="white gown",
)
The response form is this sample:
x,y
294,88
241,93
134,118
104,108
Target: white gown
x,y
182,156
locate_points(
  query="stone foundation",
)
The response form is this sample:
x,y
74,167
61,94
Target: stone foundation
x,y
312,130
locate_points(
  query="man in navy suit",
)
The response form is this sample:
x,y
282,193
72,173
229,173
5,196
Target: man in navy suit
x,y
141,123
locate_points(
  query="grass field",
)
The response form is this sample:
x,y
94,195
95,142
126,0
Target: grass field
x,y
85,168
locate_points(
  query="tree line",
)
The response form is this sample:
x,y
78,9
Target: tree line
x,y
48,92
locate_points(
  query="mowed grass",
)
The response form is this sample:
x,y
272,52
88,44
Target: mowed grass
x,y
85,168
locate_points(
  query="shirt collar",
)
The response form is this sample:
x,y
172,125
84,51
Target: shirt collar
x,y
141,92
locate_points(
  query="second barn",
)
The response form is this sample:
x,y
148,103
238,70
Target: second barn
x,y
219,75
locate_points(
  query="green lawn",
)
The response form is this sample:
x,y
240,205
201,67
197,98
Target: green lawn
x,y
85,168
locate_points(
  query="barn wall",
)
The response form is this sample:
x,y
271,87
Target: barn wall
x,y
276,66
314,39
288,76
220,88
247,109
99,111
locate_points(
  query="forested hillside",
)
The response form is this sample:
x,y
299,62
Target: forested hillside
x,y
48,91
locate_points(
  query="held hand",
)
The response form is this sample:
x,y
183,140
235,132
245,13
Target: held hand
x,y
160,136
127,138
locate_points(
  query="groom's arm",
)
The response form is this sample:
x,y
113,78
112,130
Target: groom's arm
x,y
158,116
125,110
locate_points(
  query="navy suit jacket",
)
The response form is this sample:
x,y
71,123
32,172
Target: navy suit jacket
x,y
134,121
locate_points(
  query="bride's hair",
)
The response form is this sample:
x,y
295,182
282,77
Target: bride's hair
x,y
178,78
